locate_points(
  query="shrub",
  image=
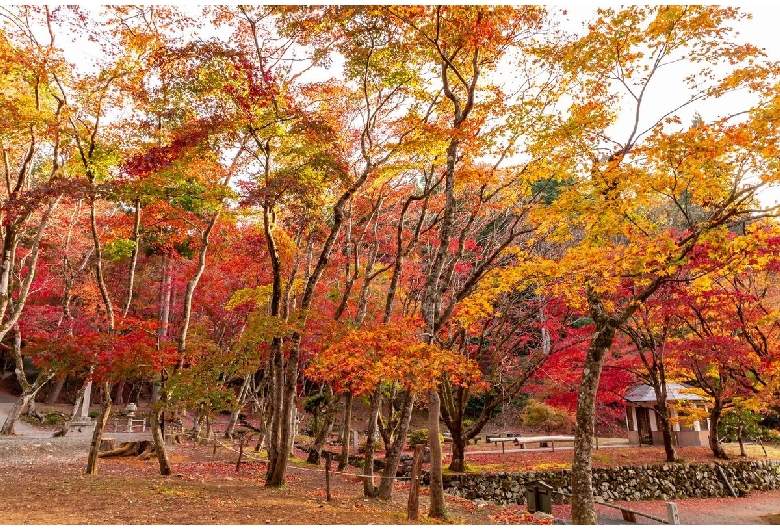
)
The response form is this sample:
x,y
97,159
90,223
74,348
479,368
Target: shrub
x,y
377,446
47,419
543,416
420,436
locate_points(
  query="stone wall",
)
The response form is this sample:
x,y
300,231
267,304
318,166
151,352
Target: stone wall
x,y
651,482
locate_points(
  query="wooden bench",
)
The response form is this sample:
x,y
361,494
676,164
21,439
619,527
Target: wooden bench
x,y
471,441
523,441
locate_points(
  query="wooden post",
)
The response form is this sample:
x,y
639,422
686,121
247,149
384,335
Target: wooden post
x,y
414,488
327,476
215,445
672,514
240,451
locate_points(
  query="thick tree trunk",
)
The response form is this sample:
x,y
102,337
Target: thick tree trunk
x,y
369,490
345,432
276,373
715,414
278,452
287,417
458,463
56,390
662,415
118,393
436,507
100,427
393,454
159,442
583,510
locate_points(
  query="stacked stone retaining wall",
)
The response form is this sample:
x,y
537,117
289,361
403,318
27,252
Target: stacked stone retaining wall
x,y
624,483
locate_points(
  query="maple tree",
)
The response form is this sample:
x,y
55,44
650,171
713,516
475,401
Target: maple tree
x,y
726,334
650,328
33,148
624,256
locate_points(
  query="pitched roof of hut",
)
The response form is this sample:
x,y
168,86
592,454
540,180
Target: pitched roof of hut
x,y
674,392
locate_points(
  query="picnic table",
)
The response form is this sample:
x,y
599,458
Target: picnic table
x,y
522,441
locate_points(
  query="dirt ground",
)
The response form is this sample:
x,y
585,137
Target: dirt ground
x,y
42,482
50,486
46,476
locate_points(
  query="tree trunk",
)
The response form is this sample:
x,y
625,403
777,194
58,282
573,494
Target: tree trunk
x,y
452,412
56,390
458,463
369,490
662,414
100,427
323,430
715,414
99,268
276,373
242,395
133,257
165,297
265,421
393,453
278,452
31,262
657,372
286,419
79,399
583,510
154,395
192,284
436,507
159,442
345,432
120,389
28,396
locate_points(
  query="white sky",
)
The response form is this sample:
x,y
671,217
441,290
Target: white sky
x,y
761,31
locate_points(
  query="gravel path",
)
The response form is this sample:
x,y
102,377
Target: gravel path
x,y
31,443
